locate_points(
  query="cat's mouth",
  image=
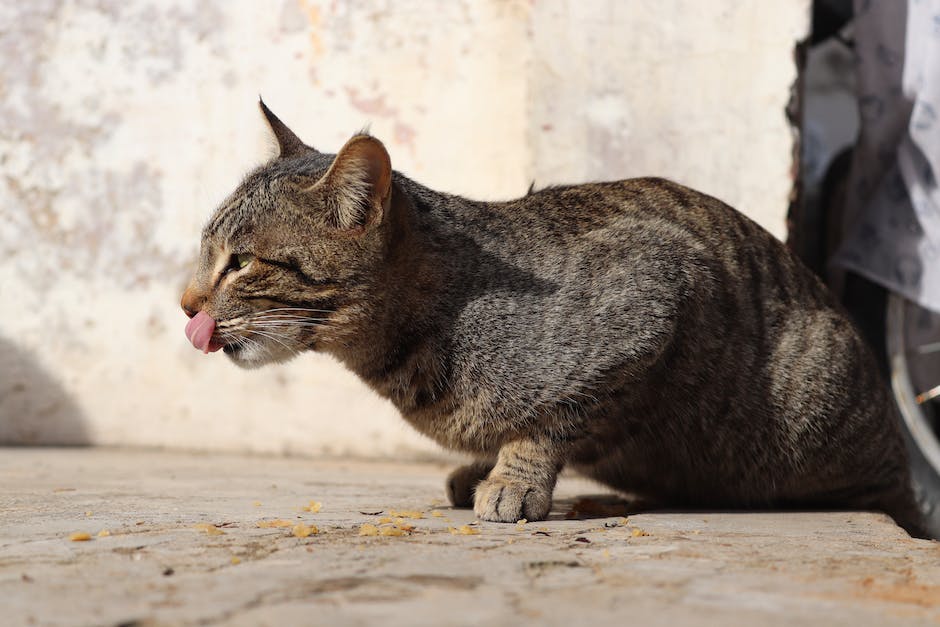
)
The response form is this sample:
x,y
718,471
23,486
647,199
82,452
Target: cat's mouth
x,y
248,345
200,331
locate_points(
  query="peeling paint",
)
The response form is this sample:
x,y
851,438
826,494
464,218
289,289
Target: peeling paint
x,y
314,22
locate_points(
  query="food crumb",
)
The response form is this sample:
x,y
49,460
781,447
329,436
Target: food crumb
x,y
79,536
521,523
257,503
384,520
210,529
637,532
413,514
463,530
236,560
437,514
276,523
313,507
397,529
89,513
303,531
104,533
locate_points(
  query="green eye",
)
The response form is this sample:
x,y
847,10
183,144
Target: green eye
x,y
237,262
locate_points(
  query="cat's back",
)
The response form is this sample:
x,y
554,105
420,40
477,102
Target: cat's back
x,y
650,206
649,228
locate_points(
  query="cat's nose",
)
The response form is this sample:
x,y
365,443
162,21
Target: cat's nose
x,y
191,302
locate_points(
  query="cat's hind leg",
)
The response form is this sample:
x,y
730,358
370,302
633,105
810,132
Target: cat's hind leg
x,y
462,482
520,484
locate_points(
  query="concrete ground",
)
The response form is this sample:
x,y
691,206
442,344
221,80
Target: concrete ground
x,y
190,542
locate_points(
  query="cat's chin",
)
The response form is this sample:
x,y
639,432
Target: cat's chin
x,y
251,358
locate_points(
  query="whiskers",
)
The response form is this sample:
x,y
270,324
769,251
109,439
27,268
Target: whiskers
x,y
284,326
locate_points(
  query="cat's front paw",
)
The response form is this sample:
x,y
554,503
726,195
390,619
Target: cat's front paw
x,y
501,500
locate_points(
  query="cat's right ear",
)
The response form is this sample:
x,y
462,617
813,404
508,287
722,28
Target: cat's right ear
x,y
288,143
358,185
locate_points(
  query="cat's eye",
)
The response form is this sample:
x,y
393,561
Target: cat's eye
x,y
238,262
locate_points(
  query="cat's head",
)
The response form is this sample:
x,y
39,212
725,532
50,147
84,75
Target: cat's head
x,y
289,260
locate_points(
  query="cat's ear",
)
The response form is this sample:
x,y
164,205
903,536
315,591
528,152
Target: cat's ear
x,y
288,143
358,185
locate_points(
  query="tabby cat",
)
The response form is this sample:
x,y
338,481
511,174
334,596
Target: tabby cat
x,y
642,333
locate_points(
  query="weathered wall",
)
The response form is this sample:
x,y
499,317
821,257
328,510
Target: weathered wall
x,y
694,91
124,122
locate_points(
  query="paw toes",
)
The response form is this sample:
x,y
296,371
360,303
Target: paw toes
x,y
503,501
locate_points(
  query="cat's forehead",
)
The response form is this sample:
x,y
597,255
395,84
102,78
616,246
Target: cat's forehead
x,y
260,195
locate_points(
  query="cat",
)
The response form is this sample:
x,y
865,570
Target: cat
x,y
641,333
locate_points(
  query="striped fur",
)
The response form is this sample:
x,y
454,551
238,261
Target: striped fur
x,y
645,334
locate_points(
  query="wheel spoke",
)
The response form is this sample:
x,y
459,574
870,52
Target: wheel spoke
x,y
923,397
925,349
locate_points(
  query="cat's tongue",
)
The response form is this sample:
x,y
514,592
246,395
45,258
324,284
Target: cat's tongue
x,y
199,331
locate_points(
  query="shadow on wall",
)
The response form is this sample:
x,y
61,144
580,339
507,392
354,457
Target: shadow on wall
x,y
34,408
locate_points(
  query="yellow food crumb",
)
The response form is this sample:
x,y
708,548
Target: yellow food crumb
x,y
521,522
637,532
279,522
236,560
463,530
210,529
399,529
257,503
623,521
437,514
302,530
89,513
413,514
79,536
313,507
385,520
104,533
606,554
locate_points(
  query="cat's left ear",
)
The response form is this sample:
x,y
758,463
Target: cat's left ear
x,y
289,145
358,185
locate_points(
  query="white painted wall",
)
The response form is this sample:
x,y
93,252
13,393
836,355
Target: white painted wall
x,y
125,122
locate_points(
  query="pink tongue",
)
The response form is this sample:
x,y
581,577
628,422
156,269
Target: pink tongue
x,y
199,331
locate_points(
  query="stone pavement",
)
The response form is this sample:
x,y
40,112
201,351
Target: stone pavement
x,y
193,540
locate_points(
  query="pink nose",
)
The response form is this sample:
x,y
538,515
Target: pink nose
x,y
199,331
